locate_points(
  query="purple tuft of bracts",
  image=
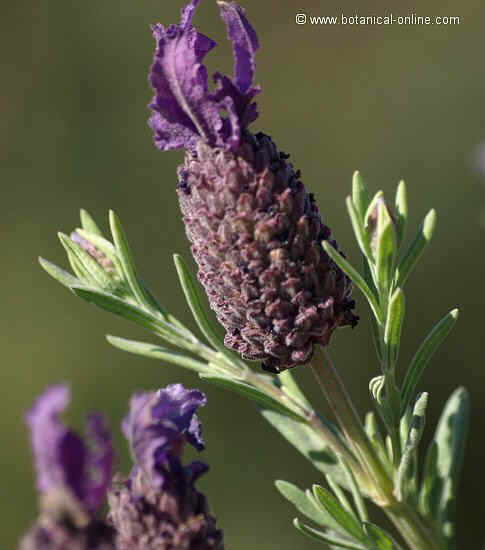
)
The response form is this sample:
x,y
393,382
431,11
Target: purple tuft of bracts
x,y
255,231
184,109
72,478
158,507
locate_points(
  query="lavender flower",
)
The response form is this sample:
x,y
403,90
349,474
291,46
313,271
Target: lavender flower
x,y
255,231
158,507
72,478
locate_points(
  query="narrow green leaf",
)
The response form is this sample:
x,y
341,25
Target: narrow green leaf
x,y
373,432
116,305
411,446
321,536
305,504
424,354
348,523
355,276
381,539
394,323
88,223
199,311
356,493
90,267
429,496
408,262
401,211
252,393
450,439
340,496
385,248
158,352
194,299
81,272
291,388
308,443
59,274
359,230
126,260
360,195
132,312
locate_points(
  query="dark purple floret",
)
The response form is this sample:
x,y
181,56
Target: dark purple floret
x,y
72,477
158,507
256,232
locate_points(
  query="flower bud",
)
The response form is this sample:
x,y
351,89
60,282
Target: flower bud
x,y
96,254
378,210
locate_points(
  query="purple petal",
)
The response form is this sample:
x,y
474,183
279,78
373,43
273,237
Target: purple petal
x,y
180,81
179,405
59,454
63,460
159,423
245,43
99,461
184,111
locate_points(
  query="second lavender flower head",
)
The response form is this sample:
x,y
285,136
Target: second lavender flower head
x,y
255,231
158,507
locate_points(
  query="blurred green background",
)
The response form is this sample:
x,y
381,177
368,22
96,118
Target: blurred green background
x,y
395,102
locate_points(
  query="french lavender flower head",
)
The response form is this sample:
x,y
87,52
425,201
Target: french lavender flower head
x,y
255,231
72,478
158,507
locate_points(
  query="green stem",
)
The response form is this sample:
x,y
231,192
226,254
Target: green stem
x,y
377,484
412,527
392,397
328,436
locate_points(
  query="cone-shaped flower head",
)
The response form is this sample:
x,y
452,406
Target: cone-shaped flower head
x,y
158,507
72,478
255,231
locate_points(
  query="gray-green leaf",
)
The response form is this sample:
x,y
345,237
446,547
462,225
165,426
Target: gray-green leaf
x,y
321,536
158,352
424,354
347,521
304,439
355,276
252,393
305,504
410,259
413,438
445,461
379,537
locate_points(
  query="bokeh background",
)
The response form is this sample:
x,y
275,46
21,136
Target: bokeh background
x,y
395,102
